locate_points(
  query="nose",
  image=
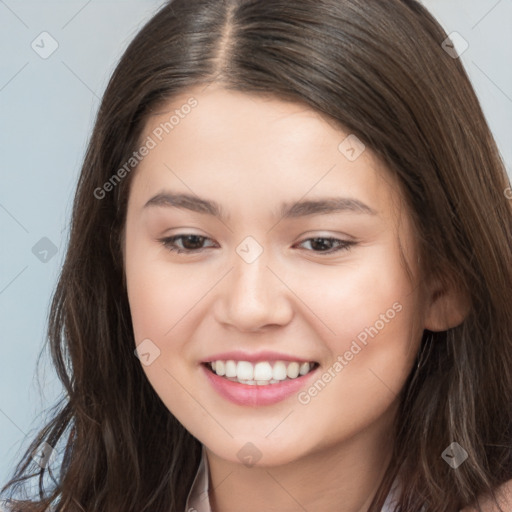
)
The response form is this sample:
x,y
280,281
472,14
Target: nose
x,y
254,297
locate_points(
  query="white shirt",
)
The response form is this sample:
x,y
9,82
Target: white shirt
x,y
198,500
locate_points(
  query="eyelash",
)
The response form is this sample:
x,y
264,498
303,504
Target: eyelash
x,y
169,244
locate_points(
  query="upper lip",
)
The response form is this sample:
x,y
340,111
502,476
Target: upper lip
x,y
265,355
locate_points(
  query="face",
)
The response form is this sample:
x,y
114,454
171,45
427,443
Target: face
x,y
259,236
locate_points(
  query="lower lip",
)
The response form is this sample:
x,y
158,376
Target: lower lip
x,y
244,394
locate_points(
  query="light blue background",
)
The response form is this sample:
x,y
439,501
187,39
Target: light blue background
x,y
47,107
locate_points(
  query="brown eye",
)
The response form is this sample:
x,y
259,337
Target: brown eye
x,y
184,243
327,245
192,242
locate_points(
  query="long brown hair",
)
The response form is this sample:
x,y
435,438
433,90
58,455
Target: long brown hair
x,y
377,68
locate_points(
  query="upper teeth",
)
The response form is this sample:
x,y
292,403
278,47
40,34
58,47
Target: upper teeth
x,y
262,371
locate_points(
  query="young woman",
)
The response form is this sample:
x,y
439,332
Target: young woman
x,y
289,275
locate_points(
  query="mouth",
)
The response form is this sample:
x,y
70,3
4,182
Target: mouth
x,y
260,373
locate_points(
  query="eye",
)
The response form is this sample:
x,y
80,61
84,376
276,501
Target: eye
x,y
328,245
187,243
190,244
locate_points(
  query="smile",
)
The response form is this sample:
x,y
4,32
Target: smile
x,y
261,373
254,384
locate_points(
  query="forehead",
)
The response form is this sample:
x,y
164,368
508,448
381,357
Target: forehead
x,y
244,145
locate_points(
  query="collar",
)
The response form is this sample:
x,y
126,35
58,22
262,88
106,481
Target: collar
x,y
198,500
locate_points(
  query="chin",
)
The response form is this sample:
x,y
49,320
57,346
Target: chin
x,y
257,452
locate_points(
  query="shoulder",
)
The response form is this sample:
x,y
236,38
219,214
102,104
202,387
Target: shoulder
x,y
504,497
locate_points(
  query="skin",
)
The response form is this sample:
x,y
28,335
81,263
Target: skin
x,y
250,154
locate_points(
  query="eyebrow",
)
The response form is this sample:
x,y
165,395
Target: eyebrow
x,y
304,208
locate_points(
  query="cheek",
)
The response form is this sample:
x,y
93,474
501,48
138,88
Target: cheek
x,y
363,299
373,310
159,294
162,299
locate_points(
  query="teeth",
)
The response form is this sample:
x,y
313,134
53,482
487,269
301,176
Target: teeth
x,y
293,370
230,368
279,370
220,368
304,368
261,373
244,370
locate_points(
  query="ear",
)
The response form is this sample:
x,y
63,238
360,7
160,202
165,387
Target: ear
x,y
446,306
